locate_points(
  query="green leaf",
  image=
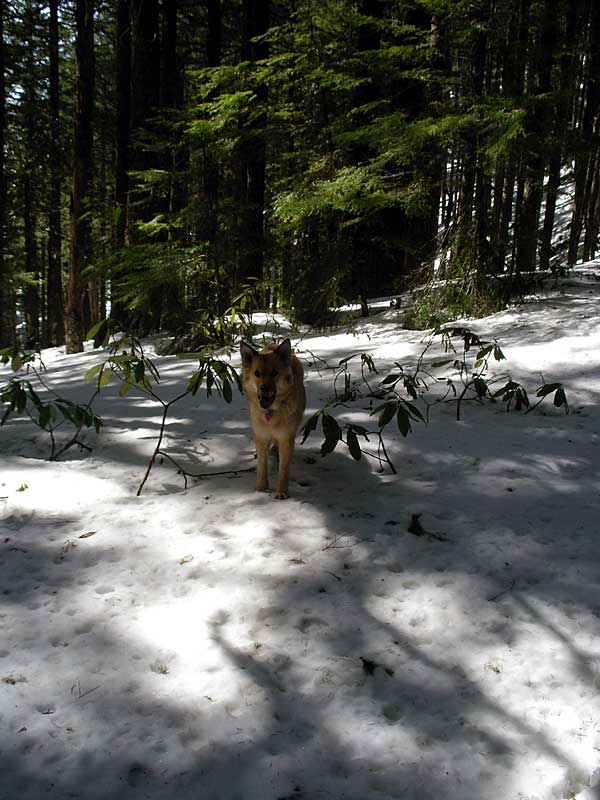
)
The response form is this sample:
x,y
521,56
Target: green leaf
x,y
359,429
104,377
91,334
353,445
330,426
414,411
508,389
36,400
45,415
195,382
309,427
547,389
403,421
16,362
560,398
92,372
227,393
389,410
139,372
480,386
332,433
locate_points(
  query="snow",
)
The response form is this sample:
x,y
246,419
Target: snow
x,y
215,643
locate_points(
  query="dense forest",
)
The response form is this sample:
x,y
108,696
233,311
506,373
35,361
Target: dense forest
x,y
165,162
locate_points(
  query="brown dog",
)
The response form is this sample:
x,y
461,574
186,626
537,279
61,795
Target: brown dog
x,y
273,381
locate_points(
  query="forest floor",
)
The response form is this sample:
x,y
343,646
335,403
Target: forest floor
x,y
217,644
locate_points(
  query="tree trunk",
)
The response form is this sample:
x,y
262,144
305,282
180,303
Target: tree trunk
x,y
123,93
82,174
55,327
211,171
592,212
564,107
7,333
253,150
31,294
145,100
123,118
538,125
584,163
31,304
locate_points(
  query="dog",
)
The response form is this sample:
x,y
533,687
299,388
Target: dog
x,y
273,382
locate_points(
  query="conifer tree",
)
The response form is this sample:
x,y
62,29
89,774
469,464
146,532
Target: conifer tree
x,y
80,231
55,333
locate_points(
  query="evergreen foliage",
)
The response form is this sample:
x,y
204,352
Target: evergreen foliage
x,y
324,151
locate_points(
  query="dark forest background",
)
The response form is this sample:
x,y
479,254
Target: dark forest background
x,y
171,161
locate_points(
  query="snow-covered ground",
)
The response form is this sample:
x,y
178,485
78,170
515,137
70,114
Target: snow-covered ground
x,y
216,644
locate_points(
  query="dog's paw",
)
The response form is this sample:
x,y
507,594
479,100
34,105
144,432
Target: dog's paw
x,y
281,495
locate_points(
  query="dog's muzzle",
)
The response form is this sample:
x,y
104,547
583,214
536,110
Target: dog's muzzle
x,y
266,396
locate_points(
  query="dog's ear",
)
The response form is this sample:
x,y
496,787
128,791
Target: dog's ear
x,y
284,351
248,352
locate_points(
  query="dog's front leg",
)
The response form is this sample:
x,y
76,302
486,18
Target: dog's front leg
x,y
286,448
262,453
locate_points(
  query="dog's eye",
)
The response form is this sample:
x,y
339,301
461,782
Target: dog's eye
x,y
257,373
274,373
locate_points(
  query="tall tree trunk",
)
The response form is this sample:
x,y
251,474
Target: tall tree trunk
x,y
211,171
7,333
584,163
538,125
31,294
82,174
564,108
55,326
170,78
514,84
31,304
170,99
592,212
253,149
123,118
145,77
145,100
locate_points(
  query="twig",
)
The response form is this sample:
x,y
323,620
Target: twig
x,y
503,592
187,474
166,407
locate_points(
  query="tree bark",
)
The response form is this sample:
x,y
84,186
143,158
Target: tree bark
x,y
55,327
538,123
30,294
584,163
122,143
82,175
253,150
7,333
564,107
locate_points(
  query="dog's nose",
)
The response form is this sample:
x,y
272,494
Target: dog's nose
x,y
266,395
